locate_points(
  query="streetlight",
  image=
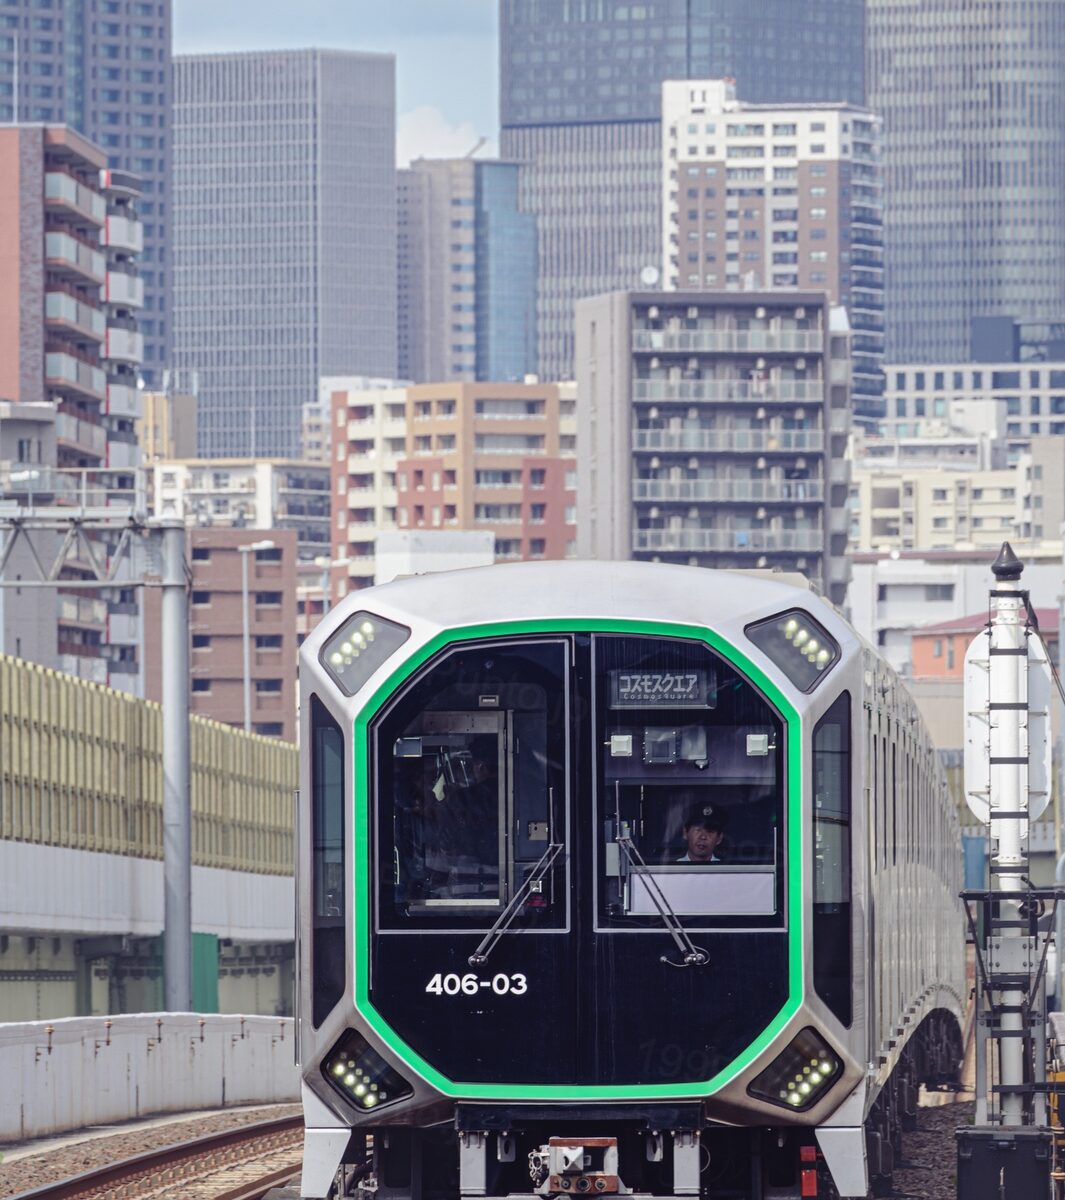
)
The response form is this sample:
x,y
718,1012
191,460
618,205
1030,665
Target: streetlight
x,y
244,552
326,565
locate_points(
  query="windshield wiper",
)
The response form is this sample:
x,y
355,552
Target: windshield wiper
x,y
532,886
693,955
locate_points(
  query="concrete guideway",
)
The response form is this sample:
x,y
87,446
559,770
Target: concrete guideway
x,y
80,1071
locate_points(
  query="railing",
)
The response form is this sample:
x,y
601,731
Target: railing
x,y
54,793
65,188
754,540
122,233
729,340
65,367
61,247
34,487
123,288
92,438
796,491
737,390
61,306
738,440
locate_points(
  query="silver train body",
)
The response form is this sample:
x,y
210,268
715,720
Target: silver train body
x,y
436,995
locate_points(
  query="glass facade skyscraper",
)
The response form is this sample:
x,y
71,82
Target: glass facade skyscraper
x,y
284,236
104,68
580,105
467,273
972,95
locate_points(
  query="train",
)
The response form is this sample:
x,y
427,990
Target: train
x,y
616,878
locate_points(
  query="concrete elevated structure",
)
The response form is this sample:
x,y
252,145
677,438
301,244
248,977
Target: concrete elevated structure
x,y
81,891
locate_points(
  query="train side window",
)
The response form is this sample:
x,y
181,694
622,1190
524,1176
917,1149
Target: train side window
x,y
327,860
832,858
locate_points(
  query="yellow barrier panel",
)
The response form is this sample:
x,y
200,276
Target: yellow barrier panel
x,y
81,766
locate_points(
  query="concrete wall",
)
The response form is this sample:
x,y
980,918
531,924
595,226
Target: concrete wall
x,y
52,889
68,1074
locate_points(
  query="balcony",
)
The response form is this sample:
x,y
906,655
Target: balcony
x,y
69,255
123,456
92,669
82,612
80,435
751,491
120,233
739,391
793,541
63,192
737,441
64,312
64,372
729,341
123,289
122,401
124,345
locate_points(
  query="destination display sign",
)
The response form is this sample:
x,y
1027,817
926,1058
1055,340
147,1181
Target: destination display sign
x,y
662,689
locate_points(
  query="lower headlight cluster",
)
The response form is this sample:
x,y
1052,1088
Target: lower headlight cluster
x,y
801,1075
360,1074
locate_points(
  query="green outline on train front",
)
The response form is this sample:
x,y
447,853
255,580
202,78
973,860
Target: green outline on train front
x,y
361,866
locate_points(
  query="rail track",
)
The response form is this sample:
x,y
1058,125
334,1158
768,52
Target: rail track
x,y
237,1164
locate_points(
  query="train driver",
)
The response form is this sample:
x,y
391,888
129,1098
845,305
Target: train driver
x,y
704,831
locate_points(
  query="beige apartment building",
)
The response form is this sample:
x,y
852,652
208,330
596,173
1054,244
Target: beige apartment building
x,y
939,508
760,196
495,457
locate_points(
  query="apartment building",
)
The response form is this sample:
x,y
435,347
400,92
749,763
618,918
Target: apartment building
x,y
248,493
712,428
69,240
763,196
495,457
218,617
938,650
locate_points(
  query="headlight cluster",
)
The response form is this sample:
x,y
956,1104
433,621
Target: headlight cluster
x,y
800,1076
800,647
360,1074
359,647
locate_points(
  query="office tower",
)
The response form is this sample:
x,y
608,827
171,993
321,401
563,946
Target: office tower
x,y
70,350
972,96
712,428
284,235
103,68
467,272
580,106
762,196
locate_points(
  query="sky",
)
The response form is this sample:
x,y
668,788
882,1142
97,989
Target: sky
x,y
446,55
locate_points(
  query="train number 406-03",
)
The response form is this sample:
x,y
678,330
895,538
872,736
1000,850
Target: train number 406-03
x,y
472,985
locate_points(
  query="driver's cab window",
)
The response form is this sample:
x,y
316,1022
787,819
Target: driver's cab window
x,y
471,765
690,786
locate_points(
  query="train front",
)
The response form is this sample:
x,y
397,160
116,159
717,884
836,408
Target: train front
x,y
554,927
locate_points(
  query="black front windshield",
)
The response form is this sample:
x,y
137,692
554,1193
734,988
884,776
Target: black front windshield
x,y
690,762
472,759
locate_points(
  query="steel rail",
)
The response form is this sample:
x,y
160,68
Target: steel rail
x,y
168,1156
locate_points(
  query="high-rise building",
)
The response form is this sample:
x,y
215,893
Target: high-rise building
x,y
580,107
467,272
712,429
103,69
761,196
972,96
284,235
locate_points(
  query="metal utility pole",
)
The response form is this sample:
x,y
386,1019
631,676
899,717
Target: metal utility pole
x,y
177,803
1007,1154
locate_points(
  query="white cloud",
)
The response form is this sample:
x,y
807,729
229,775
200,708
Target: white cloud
x,y
425,132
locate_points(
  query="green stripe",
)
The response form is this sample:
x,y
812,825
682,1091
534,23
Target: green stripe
x,y
796,865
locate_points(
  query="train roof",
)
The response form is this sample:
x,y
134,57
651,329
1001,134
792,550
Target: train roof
x,y
584,589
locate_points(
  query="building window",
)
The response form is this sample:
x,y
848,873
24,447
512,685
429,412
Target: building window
x,y
201,686
201,598
938,592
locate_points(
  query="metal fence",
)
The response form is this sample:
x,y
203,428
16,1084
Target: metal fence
x,y
81,767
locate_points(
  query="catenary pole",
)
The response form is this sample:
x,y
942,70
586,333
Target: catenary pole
x,y
177,808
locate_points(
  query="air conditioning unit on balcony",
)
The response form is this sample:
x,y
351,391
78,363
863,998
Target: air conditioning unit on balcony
x,y
652,312
800,312
693,313
800,364
760,313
